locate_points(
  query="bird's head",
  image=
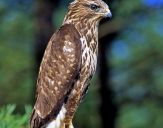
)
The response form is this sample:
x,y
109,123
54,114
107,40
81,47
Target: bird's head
x,y
93,10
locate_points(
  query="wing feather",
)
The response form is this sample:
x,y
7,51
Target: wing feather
x,y
58,72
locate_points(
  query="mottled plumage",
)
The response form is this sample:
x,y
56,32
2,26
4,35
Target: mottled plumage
x,y
68,64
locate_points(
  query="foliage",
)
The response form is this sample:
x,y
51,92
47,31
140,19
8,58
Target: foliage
x,y
16,63
137,71
8,118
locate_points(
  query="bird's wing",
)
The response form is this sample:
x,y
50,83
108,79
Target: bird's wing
x,y
58,71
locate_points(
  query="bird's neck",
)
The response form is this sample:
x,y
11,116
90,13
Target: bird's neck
x,y
88,30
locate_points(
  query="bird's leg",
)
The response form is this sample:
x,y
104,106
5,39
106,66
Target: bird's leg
x,y
71,105
69,125
85,91
74,100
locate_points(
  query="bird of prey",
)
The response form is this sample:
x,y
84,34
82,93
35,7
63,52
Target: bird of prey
x,y
68,64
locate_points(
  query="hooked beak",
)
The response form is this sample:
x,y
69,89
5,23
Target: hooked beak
x,y
108,13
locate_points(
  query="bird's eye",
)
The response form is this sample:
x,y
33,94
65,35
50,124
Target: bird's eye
x,y
95,7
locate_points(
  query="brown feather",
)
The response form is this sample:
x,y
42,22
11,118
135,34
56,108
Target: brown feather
x,y
68,65
58,70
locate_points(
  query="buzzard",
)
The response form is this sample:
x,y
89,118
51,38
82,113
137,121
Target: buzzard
x,y
68,65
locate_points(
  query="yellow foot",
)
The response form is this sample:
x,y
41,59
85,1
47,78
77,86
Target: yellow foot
x,y
69,125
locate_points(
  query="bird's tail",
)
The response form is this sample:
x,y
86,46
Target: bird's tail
x,y
35,121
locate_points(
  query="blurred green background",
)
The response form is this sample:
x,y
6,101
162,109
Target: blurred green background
x,y
127,90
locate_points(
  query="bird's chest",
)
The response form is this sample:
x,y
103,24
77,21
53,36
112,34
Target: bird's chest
x,y
89,57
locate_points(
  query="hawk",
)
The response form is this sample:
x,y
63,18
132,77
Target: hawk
x,y
68,64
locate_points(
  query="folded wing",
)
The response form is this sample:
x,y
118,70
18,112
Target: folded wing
x,y
58,72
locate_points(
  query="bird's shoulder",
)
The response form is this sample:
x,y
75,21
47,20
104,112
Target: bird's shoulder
x,y
66,32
